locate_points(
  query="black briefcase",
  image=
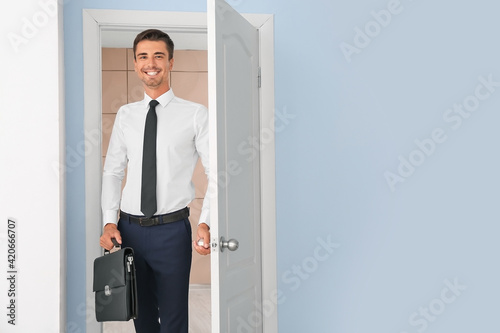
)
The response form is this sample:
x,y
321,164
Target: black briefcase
x,y
115,285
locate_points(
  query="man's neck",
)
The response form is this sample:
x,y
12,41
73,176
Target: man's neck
x,y
155,93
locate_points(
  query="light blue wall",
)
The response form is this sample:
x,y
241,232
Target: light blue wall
x,y
343,123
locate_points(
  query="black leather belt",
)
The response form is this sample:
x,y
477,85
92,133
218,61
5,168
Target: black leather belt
x,y
157,219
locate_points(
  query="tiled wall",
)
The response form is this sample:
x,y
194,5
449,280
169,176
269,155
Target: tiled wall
x,y
188,80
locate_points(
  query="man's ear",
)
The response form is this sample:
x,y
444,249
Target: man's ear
x,y
171,61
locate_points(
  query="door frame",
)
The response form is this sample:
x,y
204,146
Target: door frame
x,y
97,20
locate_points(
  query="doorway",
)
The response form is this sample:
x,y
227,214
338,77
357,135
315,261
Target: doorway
x,y
189,80
190,28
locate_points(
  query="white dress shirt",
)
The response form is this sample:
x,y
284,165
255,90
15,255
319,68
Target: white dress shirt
x,y
182,137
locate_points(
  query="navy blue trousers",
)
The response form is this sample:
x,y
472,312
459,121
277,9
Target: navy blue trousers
x,y
162,254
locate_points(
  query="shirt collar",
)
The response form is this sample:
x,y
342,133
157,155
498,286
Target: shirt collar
x,y
163,99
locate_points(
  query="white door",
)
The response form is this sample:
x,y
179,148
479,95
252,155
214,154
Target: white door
x,y
233,57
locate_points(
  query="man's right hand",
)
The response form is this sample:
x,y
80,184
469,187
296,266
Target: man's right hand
x,y
110,231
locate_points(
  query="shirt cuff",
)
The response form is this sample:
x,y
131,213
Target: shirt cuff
x,y
204,218
109,216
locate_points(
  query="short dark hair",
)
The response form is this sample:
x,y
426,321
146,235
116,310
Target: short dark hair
x,y
155,35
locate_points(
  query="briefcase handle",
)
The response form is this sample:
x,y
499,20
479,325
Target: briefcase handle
x,y
116,244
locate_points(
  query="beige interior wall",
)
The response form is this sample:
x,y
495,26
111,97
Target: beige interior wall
x,y
188,80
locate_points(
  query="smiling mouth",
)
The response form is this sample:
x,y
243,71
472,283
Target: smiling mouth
x,y
152,73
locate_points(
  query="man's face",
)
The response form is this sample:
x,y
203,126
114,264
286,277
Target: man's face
x,y
152,65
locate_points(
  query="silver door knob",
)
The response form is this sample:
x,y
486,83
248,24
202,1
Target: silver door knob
x,y
231,244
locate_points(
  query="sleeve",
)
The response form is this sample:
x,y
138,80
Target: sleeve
x,y
202,147
114,171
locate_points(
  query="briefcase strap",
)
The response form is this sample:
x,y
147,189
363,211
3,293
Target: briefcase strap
x,y
117,246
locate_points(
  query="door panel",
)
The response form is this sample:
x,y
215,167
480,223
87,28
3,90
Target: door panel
x,y
234,161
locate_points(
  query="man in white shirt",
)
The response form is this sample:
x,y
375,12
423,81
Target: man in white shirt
x,y
161,242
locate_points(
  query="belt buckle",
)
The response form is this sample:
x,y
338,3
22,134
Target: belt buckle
x,y
145,222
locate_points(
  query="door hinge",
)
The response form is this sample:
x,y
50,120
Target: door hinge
x,y
259,78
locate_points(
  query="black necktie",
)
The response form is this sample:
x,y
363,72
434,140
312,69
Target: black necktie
x,y
148,188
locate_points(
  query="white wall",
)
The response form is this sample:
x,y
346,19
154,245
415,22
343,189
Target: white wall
x,y
31,150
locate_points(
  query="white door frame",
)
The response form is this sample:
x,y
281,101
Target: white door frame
x,y
94,22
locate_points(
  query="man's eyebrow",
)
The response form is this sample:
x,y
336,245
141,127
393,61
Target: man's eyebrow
x,y
145,53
